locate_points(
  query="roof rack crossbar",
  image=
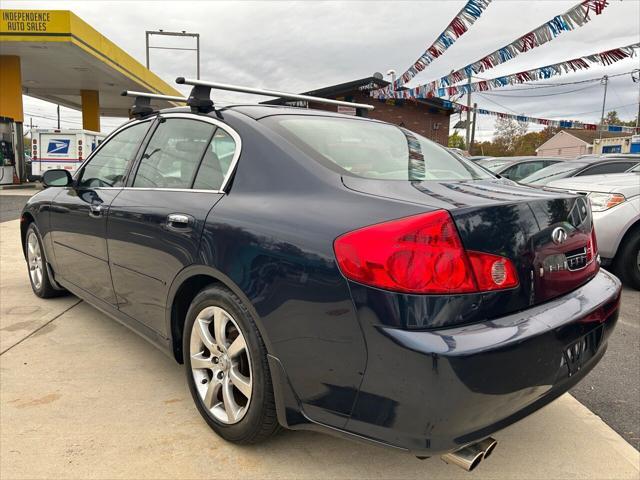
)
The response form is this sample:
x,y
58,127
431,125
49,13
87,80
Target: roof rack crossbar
x,y
170,98
142,103
270,93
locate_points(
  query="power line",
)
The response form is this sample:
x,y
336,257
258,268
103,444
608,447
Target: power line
x,y
500,105
559,84
540,95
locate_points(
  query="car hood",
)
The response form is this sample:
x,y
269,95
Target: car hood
x,y
615,182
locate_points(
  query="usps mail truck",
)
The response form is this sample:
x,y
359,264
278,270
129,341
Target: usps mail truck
x,y
52,148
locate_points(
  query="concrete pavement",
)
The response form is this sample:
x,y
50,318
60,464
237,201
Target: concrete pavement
x,y
83,397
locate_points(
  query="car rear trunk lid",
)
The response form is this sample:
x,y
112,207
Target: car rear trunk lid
x,y
545,234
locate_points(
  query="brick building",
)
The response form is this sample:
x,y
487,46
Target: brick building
x,y
429,118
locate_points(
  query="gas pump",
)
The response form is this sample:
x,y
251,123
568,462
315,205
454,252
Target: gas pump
x,y
11,156
7,154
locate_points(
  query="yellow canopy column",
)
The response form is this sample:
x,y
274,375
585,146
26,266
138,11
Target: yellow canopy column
x,y
90,110
11,88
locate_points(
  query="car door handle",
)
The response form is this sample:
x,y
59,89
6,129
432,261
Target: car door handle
x,y
95,210
178,220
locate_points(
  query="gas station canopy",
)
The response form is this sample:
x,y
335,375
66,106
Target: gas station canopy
x,y
64,60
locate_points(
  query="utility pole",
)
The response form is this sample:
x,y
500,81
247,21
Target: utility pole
x,y
473,131
635,77
58,109
468,137
604,81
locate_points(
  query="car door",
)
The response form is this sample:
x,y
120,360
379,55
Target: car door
x,y
78,214
156,222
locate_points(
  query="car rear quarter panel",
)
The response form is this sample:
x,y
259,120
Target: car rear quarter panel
x,y
272,236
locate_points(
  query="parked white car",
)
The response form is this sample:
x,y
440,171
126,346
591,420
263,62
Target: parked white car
x,y
615,201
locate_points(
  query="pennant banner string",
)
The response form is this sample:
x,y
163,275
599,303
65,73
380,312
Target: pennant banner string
x,y
466,17
575,17
543,121
604,59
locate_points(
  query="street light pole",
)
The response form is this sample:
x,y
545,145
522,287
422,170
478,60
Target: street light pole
x,y
183,33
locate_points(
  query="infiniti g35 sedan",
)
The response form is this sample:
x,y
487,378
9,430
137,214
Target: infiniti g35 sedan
x,y
319,271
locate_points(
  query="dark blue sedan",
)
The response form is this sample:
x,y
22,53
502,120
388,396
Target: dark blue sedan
x,y
326,272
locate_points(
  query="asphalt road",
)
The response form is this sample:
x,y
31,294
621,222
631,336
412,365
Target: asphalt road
x,y
11,206
611,390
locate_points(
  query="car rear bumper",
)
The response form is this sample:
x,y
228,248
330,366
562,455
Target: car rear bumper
x,y
434,391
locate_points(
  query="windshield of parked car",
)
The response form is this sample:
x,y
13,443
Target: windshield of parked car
x,y
373,149
553,172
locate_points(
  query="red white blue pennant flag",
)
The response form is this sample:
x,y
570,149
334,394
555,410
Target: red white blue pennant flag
x,y
466,17
574,18
605,58
544,121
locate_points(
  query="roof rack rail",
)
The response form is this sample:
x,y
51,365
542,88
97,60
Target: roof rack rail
x,y
269,93
142,103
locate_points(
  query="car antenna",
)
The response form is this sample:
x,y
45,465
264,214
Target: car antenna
x,y
207,86
142,104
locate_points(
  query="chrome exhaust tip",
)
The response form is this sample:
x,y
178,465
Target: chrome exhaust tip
x,y
469,457
487,446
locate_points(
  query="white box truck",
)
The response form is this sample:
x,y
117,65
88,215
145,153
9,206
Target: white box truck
x,y
53,148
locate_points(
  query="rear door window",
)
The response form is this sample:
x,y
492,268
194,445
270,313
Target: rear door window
x,y
603,169
173,154
216,162
371,149
525,169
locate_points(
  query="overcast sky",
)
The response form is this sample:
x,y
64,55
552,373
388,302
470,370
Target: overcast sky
x,y
306,45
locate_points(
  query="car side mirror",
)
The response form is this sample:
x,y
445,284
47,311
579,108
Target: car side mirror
x,y
57,178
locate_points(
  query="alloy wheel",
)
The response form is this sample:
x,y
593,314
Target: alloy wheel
x,y
34,260
220,365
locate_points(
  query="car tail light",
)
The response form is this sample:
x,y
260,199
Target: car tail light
x,y
420,254
493,272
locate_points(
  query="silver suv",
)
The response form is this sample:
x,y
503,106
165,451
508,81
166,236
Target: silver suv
x,y
615,201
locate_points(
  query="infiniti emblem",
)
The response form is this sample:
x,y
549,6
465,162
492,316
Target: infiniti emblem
x,y
559,235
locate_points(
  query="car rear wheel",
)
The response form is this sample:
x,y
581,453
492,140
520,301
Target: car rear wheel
x,y
226,367
37,265
628,260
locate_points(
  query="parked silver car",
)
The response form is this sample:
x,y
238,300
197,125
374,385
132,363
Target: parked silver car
x,y
615,201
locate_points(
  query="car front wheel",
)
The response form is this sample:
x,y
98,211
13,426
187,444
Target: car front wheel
x,y
37,265
226,367
628,259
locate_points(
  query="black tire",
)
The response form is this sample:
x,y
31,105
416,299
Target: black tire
x,y
45,288
260,420
626,264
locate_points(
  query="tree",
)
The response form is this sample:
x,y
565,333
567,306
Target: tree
x,y
507,134
611,118
525,144
456,141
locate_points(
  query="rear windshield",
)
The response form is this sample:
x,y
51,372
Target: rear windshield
x,y
373,150
553,172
